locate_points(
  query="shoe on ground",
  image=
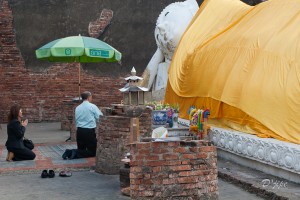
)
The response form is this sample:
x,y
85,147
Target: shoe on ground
x,y
65,174
44,174
51,174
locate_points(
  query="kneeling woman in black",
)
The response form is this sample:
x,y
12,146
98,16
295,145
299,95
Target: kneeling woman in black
x,y
15,132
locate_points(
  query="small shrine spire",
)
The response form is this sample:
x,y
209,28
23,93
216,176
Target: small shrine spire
x,y
133,72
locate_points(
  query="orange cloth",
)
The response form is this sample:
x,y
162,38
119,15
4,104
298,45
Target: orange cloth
x,y
243,63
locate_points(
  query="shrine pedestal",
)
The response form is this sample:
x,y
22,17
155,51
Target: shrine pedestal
x,y
113,137
115,132
174,170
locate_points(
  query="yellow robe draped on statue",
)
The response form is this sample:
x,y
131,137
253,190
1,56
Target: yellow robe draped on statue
x,y
243,63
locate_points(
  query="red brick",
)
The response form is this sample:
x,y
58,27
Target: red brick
x,y
160,151
152,157
160,175
185,173
170,156
180,168
185,162
194,149
200,184
173,175
180,150
145,187
157,144
139,157
197,173
135,181
182,194
188,156
158,194
207,148
134,187
147,182
172,162
157,181
134,193
135,169
192,179
188,186
136,175
144,151
147,176
143,145
173,144
156,163
201,155
136,163
147,193
168,181
156,169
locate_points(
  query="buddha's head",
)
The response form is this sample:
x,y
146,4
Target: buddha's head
x,y
171,24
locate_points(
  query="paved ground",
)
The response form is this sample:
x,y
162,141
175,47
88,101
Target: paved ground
x,y
50,144
84,185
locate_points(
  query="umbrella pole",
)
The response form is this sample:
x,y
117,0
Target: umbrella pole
x,y
79,81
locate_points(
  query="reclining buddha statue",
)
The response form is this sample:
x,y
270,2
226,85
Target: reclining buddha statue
x,y
170,25
243,63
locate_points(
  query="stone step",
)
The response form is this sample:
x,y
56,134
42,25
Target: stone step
x,y
259,183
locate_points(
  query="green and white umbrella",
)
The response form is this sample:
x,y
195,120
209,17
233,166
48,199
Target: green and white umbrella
x,y
78,49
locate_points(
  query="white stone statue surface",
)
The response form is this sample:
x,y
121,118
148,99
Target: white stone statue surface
x,y
170,26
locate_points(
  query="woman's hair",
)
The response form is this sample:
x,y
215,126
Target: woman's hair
x,y
14,112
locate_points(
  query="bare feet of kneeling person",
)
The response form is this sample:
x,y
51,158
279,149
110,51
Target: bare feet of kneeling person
x,y
10,156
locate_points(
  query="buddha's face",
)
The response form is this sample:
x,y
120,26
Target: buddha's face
x,y
171,24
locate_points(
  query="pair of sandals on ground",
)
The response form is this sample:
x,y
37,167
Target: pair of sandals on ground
x,y
51,174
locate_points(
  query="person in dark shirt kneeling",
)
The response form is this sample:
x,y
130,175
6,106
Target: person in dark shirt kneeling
x,y
15,135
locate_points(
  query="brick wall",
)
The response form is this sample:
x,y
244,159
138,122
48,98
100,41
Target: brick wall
x,y
41,95
96,28
173,170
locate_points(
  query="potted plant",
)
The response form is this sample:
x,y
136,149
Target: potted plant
x,y
159,112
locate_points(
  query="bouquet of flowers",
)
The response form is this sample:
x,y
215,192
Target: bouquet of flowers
x,y
158,105
170,109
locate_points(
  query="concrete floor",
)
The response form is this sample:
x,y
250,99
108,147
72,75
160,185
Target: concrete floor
x,y
84,185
